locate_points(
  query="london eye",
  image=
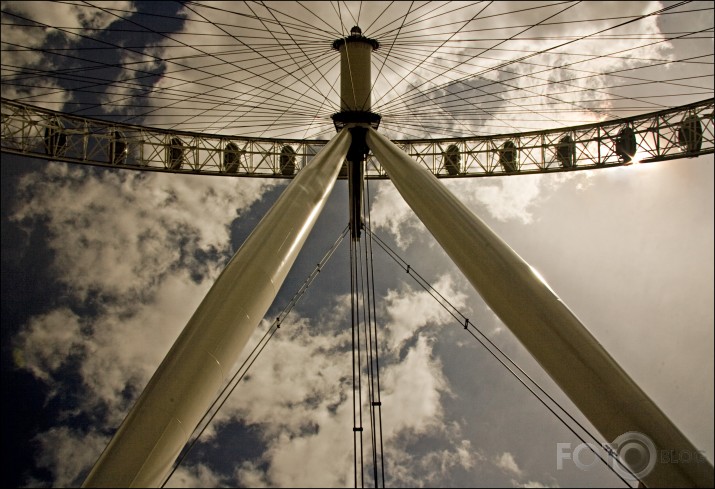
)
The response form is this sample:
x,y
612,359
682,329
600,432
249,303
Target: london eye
x,y
471,241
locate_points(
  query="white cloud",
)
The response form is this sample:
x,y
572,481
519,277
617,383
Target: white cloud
x,y
300,365
506,461
415,386
141,252
47,342
409,310
299,393
514,198
72,15
120,232
228,90
67,453
250,475
119,350
389,211
47,92
532,484
121,95
195,476
507,199
128,344
510,198
518,92
432,468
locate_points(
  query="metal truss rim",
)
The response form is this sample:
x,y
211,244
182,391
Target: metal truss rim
x,y
581,127
686,131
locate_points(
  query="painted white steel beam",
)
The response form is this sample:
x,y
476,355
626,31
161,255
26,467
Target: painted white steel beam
x,y
151,437
556,338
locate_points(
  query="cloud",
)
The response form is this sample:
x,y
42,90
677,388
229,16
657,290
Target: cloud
x,y
195,476
47,342
299,393
138,252
486,94
506,461
533,484
231,91
414,385
114,353
73,16
127,92
514,199
389,211
507,199
24,53
121,232
129,343
409,311
433,468
510,198
68,454
250,475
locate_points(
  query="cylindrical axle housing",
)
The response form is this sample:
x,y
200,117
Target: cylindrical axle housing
x,y
355,74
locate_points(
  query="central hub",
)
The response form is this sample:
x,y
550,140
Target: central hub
x,y
355,80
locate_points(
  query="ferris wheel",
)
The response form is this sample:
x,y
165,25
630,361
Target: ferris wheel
x,y
419,93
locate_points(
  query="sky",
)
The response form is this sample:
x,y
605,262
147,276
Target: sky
x,y
102,268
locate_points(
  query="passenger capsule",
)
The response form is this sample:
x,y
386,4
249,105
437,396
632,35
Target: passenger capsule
x,y
566,152
231,158
451,158
690,134
626,144
508,156
176,154
55,138
119,150
287,161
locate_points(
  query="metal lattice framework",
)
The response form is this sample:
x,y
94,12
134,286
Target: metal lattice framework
x,y
681,132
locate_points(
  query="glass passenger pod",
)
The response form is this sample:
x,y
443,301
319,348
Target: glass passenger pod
x,y
626,144
231,158
118,149
287,161
175,154
690,134
566,152
55,138
451,158
508,157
